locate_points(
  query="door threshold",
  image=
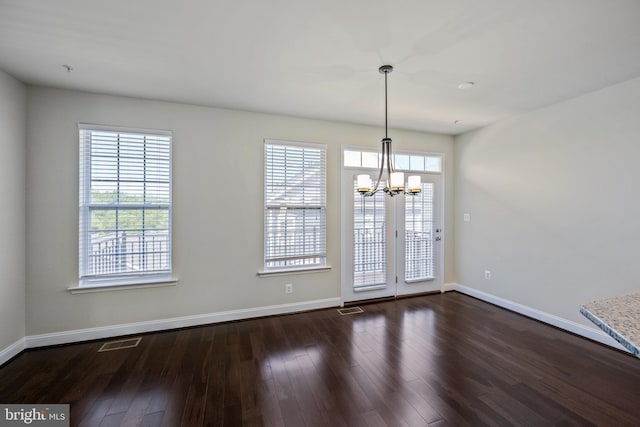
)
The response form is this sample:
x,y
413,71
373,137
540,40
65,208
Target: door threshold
x,y
419,294
387,299
368,301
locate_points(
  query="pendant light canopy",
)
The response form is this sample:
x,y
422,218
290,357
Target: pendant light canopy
x,y
394,183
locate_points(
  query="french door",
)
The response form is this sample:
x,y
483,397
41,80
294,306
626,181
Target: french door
x,y
391,245
419,239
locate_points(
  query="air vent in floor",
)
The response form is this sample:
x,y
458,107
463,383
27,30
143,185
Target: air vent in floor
x,y
120,344
350,310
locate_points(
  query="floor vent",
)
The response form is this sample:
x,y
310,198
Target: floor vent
x,y
350,310
120,344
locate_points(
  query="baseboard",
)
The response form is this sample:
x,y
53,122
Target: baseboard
x,y
12,351
559,322
448,287
78,335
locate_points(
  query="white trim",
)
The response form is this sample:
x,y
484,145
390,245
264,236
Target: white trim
x,y
12,351
447,287
370,288
551,319
289,143
286,271
123,129
77,335
419,280
122,285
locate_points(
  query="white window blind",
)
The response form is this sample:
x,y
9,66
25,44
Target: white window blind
x,y
295,205
369,239
418,234
125,202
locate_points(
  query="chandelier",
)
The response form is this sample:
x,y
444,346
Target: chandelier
x,y
394,184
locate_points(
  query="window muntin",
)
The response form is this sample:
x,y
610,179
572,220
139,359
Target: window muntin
x,y
295,205
125,203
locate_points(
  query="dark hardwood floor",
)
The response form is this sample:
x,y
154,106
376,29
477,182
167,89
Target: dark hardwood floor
x,y
432,360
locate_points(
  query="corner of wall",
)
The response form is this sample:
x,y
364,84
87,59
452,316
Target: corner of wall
x,y
13,127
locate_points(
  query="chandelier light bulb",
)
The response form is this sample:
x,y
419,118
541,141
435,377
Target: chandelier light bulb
x,y
364,183
397,181
413,185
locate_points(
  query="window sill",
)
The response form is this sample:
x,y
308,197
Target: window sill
x,y
88,286
283,272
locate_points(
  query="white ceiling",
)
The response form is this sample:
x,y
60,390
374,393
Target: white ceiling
x,y
320,58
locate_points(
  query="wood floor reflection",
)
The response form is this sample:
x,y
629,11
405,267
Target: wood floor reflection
x,y
431,360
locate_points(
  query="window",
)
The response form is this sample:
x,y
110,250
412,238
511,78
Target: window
x,y
294,205
125,204
431,163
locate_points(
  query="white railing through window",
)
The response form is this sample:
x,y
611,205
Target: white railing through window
x,y
119,253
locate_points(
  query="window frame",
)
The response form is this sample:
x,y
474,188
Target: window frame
x,y
371,153
321,266
115,280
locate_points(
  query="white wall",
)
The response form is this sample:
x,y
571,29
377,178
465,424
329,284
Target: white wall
x,y
13,118
554,203
217,215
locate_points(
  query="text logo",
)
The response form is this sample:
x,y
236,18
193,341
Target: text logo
x,y
37,415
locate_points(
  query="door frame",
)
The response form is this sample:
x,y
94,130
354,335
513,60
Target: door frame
x,y
346,223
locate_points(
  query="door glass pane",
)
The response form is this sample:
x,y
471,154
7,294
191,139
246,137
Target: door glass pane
x,y
419,262
369,239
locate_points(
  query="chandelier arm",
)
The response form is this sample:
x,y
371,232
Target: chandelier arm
x,y
375,188
390,169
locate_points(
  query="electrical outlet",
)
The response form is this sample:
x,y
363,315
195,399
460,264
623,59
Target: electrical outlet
x,y
466,217
487,274
288,288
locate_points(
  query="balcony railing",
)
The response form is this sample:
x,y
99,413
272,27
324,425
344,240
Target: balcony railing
x,y
121,253
418,255
369,256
